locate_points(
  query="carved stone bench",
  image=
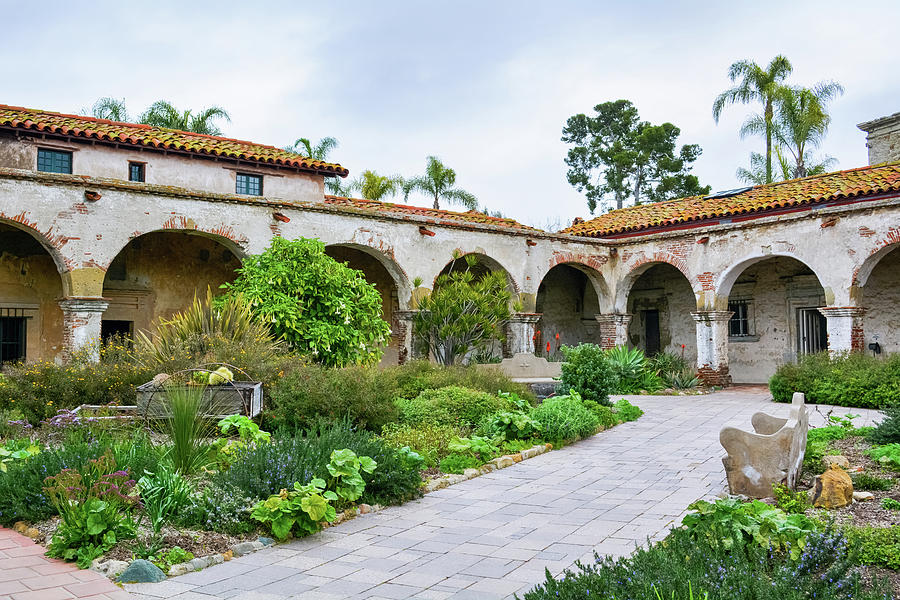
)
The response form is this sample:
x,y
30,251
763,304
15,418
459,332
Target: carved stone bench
x,y
771,454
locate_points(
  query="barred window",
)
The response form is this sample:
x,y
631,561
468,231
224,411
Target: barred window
x,y
739,324
54,161
12,339
135,171
250,185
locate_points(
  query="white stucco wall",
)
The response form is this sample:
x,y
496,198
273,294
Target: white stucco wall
x,y
881,299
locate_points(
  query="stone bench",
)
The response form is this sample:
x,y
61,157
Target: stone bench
x,y
771,454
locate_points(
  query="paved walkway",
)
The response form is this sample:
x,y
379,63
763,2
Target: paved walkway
x,y
26,574
493,536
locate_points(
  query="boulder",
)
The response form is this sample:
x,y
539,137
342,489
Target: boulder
x,y
142,571
243,548
832,489
863,496
841,461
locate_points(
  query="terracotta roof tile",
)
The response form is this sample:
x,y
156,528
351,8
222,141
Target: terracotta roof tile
x,y
437,216
157,137
853,183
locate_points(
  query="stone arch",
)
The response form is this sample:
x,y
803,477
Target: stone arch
x,y
623,287
158,273
729,276
864,271
569,297
486,262
875,288
396,272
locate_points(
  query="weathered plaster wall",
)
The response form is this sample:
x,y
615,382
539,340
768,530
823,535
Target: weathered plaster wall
x,y
883,139
662,287
163,271
31,286
774,289
882,301
568,305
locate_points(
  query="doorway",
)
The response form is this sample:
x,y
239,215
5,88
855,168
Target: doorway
x,y
651,332
812,331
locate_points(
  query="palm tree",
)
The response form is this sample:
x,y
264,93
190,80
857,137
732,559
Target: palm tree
x,y
109,108
319,151
756,174
373,186
803,121
757,84
163,114
438,182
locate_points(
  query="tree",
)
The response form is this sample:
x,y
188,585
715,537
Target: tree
x,y
319,151
438,182
464,313
617,157
163,114
322,308
373,186
756,174
757,84
802,122
109,108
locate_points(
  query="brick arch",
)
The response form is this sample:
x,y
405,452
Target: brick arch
x,y
52,245
727,278
589,265
491,263
885,245
644,263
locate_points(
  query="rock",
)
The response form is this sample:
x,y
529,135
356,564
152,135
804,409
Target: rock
x,y
32,533
364,509
216,559
242,548
198,564
228,555
832,489
841,461
435,484
487,468
20,526
517,457
180,569
530,452
863,496
142,571
502,462
548,447
267,541
471,473
114,568
884,460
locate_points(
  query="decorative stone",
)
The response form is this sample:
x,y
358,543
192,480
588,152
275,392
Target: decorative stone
x,y
20,526
517,457
502,462
863,496
530,452
487,468
832,489
771,454
435,484
243,548
180,569
838,460
216,559
228,555
198,564
142,571
114,568
471,473
32,533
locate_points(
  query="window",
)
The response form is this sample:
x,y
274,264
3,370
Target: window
x,y
12,339
135,171
250,185
739,325
111,330
54,161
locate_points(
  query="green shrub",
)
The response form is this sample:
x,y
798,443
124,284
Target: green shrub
x,y
565,418
632,371
219,507
174,556
790,501
876,546
871,483
890,504
431,441
413,378
587,371
308,393
164,493
451,405
888,431
482,448
854,379
509,425
457,463
626,411
888,454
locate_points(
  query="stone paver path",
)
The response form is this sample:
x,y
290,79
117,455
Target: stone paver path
x,y
26,574
495,535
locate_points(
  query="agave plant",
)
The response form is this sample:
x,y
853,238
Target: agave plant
x,y
629,366
685,379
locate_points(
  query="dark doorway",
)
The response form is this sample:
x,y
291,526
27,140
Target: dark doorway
x,y
12,339
812,331
110,329
651,332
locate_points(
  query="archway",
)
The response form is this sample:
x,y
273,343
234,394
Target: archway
x,y
378,271
882,302
31,320
775,301
483,264
568,300
158,274
660,301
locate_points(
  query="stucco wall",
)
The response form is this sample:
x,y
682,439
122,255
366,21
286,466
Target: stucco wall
x,y
882,301
568,304
662,287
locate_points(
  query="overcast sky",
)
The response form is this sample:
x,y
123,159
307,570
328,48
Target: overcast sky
x,y
486,86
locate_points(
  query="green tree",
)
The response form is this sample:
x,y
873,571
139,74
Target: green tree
x,y
163,114
756,174
616,157
463,314
318,151
802,123
373,186
322,308
109,108
756,85
438,182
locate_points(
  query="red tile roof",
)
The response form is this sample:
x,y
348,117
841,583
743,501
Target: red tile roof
x,y
157,137
853,183
435,216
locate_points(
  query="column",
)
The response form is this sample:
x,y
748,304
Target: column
x,y
845,328
613,330
81,325
712,346
404,334
519,333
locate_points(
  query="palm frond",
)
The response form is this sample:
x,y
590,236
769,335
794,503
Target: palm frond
x,y
109,108
457,196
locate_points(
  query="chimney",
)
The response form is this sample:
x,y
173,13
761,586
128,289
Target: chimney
x,y
883,139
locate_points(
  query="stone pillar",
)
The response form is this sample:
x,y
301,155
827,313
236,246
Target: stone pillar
x,y
613,330
406,350
520,333
845,328
81,324
712,346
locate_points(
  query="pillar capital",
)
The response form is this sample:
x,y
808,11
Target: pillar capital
x,y
845,328
709,316
520,333
87,305
525,317
81,324
843,312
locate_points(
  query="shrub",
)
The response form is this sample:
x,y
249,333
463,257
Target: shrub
x,y
587,372
565,418
872,483
876,546
888,431
325,310
457,463
413,378
187,428
310,392
888,454
790,501
431,441
632,370
164,493
451,405
626,411
890,504
854,379
219,507
509,425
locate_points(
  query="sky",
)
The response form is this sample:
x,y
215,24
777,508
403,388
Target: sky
x,y
485,86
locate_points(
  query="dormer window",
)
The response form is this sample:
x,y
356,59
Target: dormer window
x,y
250,185
136,171
54,161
